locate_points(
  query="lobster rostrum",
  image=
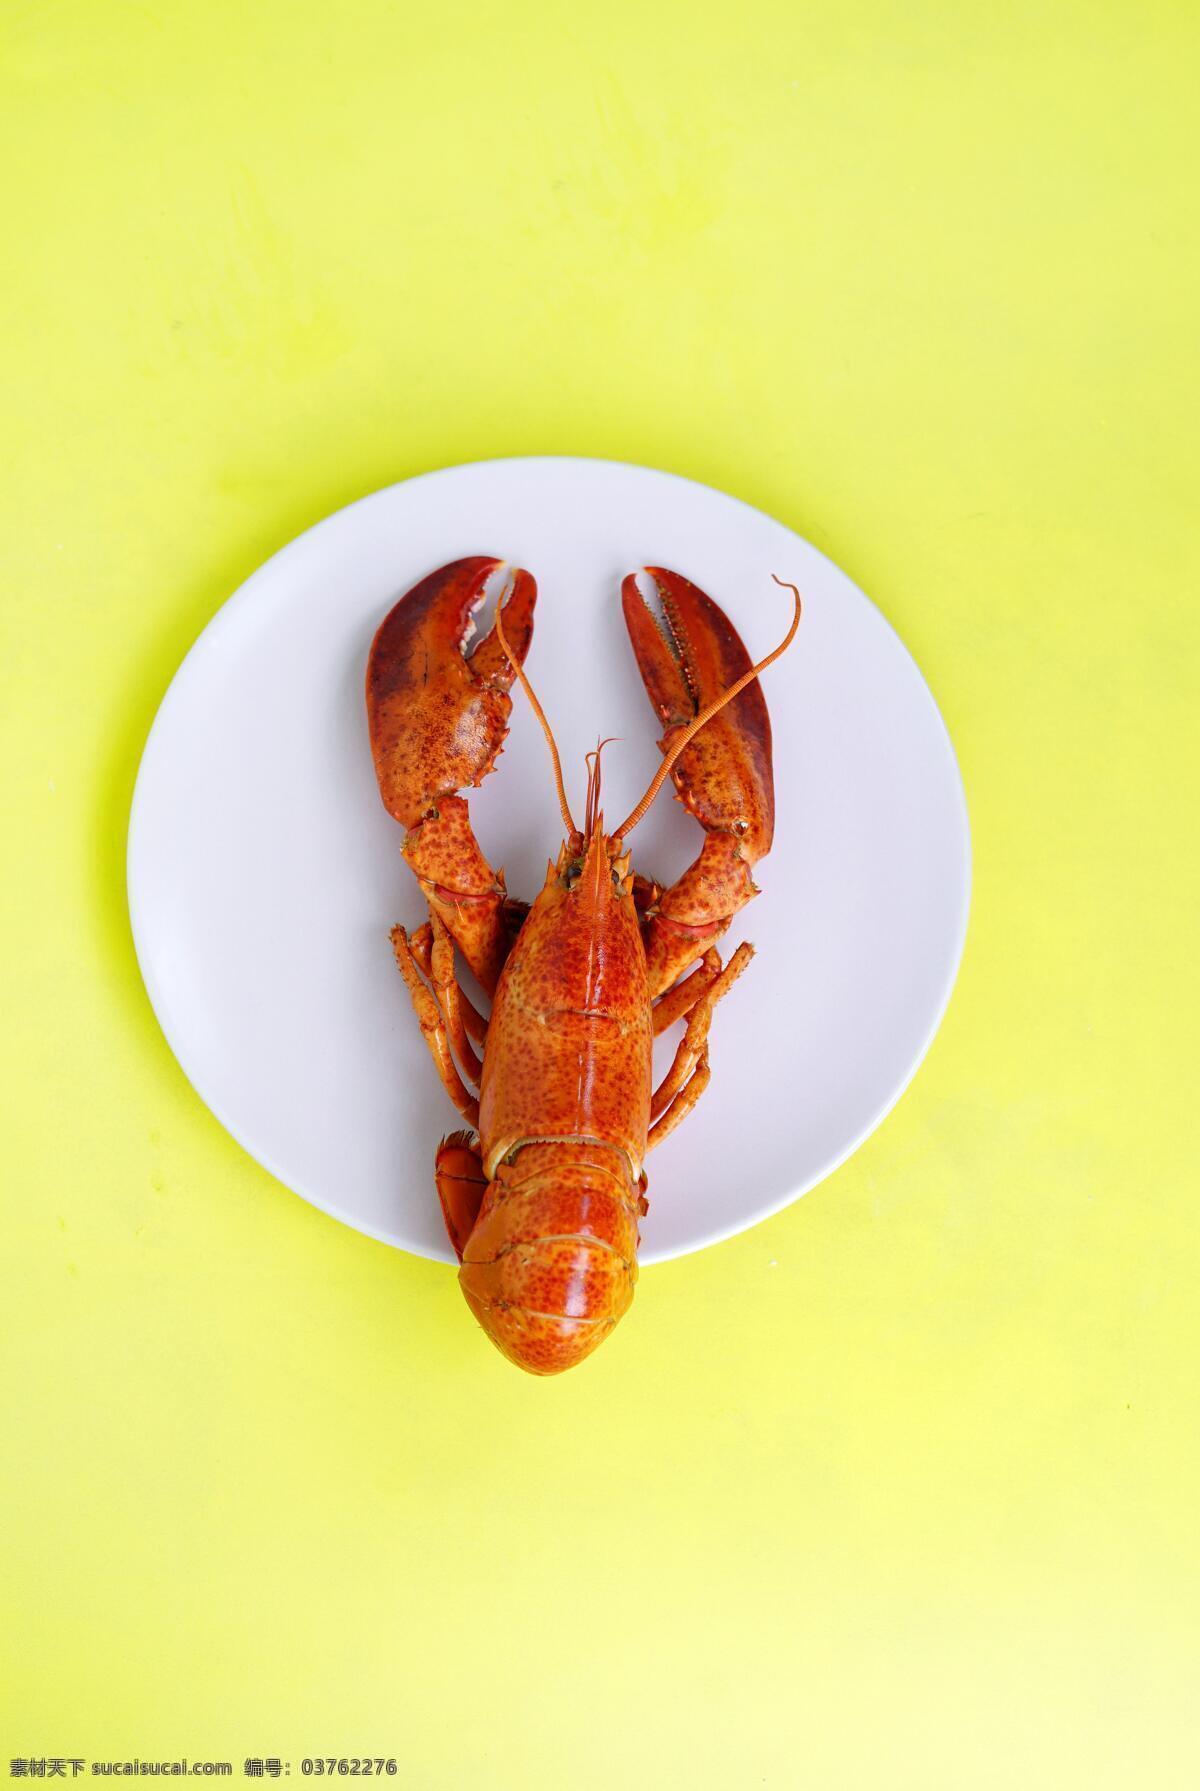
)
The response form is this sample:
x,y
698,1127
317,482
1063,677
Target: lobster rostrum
x,y
542,1196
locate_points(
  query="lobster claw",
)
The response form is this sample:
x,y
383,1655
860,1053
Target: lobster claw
x,y
438,719
724,775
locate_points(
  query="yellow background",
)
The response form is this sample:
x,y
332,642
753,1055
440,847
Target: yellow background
x,y
900,1489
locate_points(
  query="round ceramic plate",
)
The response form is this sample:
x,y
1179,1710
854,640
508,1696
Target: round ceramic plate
x,y
264,873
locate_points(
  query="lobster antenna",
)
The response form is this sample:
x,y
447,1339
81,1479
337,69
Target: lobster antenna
x,y
706,715
527,687
592,760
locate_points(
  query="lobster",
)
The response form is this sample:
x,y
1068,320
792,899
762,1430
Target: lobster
x,y
543,1194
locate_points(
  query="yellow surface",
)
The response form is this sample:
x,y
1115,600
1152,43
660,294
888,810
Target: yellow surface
x,y
899,1490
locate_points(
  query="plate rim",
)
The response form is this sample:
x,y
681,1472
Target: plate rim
x,y
235,600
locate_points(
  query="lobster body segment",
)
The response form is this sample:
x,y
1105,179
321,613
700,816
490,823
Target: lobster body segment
x,y
542,1205
551,1262
564,1111
570,1038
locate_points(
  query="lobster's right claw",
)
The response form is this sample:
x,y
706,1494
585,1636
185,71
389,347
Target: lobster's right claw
x,y
724,775
438,719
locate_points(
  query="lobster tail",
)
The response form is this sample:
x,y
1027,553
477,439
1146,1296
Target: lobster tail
x,y
551,1262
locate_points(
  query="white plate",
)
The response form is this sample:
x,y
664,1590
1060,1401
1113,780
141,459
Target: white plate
x,y
264,873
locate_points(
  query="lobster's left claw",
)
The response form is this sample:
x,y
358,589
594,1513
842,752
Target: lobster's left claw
x,y
438,719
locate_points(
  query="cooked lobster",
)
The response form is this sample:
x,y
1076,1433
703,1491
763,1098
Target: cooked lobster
x,y
543,1195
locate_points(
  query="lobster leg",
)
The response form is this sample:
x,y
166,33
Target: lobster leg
x,y
433,1029
461,1186
723,776
681,1106
421,945
450,998
682,998
437,722
693,1045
